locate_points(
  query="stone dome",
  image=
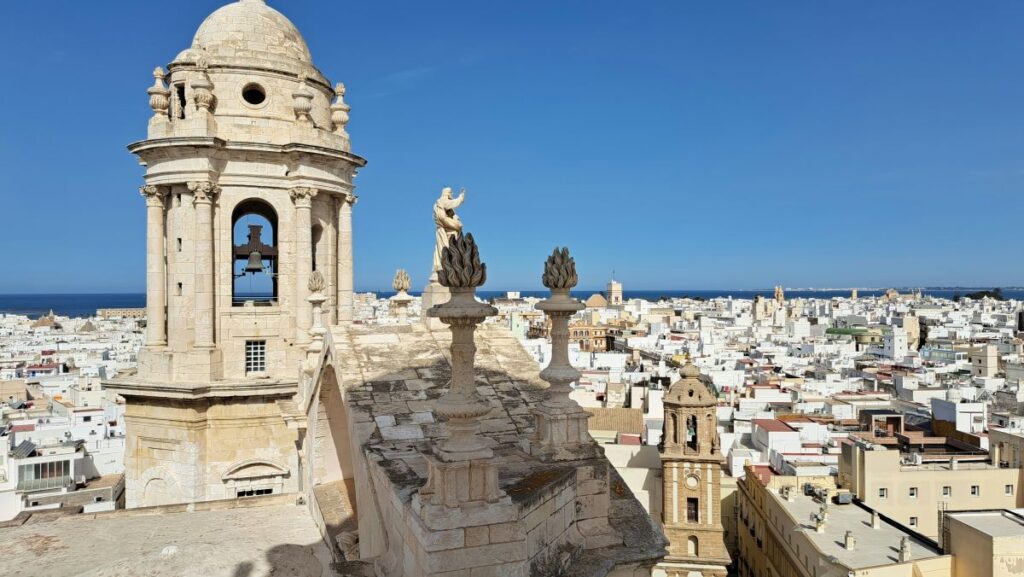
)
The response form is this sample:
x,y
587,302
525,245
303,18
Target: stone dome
x,y
692,389
250,32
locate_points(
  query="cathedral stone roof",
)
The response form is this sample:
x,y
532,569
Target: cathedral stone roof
x,y
249,31
691,390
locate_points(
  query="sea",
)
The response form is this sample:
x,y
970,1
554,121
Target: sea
x,y
85,305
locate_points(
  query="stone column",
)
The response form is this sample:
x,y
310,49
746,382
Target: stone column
x,y
561,433
303,196
203,195
156,267
345,265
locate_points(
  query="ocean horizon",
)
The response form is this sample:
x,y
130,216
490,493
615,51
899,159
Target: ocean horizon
x,y
86,304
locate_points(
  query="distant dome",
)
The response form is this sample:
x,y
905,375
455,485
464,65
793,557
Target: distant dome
x,y
249,30
692,389
689,371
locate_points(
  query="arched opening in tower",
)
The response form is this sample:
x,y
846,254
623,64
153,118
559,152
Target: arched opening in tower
x,y
254,253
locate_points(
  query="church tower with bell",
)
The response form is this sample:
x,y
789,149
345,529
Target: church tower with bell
x,y
249,195
691,464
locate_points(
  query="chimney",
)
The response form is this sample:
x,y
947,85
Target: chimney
x,y
849,541
952,463
905,549
876,521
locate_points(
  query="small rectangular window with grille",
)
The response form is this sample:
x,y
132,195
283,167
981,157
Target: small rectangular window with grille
x,y
255,357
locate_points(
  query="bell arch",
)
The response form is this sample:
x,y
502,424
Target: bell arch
x,y
254,252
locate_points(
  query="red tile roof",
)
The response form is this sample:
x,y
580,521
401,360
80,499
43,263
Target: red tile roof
x,y
773,425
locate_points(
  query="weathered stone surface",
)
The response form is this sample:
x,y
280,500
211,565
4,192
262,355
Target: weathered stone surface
x,y
276,539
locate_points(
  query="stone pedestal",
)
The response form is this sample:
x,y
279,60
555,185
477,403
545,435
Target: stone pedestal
x,y
561,424
434,294
561,435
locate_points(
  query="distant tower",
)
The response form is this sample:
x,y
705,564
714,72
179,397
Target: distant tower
x,y
853,294
614,292
780,296
248,191
691,465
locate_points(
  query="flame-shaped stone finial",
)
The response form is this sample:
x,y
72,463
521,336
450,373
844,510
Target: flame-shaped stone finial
x,y
401,282
460,264
317,283
560,270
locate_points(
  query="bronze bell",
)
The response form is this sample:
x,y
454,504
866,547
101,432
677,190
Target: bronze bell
x,y
255,263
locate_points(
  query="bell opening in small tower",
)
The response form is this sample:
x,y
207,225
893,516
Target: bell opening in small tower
x,y
254,254
691,432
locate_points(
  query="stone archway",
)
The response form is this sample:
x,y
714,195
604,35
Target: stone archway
x,y
158,488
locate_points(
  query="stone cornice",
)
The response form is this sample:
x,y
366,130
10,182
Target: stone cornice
x,y
135,387
217,143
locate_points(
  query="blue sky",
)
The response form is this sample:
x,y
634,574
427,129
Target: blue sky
x,y
686,145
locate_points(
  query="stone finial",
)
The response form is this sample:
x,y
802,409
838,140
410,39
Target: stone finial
x,y
202,88
560,270
401,283
317,284
302,103
340,110
159,95
460,264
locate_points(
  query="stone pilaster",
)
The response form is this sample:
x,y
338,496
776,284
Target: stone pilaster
x,y
346,289
156,266
303,196
204,193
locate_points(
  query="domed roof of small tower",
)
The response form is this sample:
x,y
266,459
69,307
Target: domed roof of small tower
x,y
691,390
250,32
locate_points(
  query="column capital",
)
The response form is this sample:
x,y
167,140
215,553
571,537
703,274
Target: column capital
x,y
153,194
303,196
204,191
351,199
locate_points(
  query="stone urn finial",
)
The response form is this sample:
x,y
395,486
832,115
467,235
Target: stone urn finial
x,y
340,110
202,88
302,103
460,264
159,95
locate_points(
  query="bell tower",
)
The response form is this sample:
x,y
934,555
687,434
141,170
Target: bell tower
x,y
692,470
249,195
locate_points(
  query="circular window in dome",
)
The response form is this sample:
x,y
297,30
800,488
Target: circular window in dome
x,y
254,94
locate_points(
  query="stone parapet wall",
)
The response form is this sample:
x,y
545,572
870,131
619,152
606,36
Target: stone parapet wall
x,y
564,518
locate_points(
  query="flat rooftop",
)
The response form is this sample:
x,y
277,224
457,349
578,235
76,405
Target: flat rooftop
x,y
998,523
249,540
874,546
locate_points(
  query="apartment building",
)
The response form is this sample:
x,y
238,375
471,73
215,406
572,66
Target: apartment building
x,y
912,488
790,526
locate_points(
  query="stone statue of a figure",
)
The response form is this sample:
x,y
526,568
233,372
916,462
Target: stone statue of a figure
x,y
448,223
